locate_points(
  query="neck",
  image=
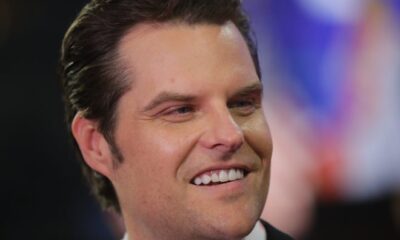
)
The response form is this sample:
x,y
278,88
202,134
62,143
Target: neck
x,y
258,233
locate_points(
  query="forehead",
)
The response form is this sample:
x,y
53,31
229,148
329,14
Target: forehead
x,y
145,34
177,54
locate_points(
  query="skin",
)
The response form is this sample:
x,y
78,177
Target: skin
x,y
194,105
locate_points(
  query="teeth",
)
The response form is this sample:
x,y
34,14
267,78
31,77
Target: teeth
x,y
232,175
239,174
223,176
214,177
219,176
197,181
205,179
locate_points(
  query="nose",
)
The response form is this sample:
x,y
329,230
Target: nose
x,y
222,133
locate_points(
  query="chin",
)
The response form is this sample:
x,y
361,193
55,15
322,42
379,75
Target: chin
x,y
233,226
234,231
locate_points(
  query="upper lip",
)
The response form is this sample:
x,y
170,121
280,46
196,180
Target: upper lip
x,y
223,166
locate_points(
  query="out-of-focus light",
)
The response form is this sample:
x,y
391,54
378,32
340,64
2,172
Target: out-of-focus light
x,y
339,11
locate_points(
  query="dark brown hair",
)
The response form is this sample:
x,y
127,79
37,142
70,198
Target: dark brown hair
x,y
92,79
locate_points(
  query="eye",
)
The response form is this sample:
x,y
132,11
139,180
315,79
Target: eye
x,y
182,110
245,106
241,104
178,113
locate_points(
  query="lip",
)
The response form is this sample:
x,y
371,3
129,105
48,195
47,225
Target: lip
x,y
225,190
247,169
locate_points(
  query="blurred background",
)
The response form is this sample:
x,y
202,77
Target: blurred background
x,y
331,71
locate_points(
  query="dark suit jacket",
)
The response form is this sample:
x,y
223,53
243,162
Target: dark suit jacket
x,y
273,233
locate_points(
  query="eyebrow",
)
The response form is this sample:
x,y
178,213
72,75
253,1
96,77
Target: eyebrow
x,y
172,96
166,97
251,89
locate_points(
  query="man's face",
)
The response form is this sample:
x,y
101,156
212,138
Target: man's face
x,y
192,133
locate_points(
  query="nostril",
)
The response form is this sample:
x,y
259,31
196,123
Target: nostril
x,y
227,143
222,133
228,148
237,145
235,142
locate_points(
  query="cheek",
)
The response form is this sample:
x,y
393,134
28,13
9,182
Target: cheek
x,y
158,149
152,160
258,136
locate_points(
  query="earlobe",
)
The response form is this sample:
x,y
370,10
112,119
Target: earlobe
x,y
92,144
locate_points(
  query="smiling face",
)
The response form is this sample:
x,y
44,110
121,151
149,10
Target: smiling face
x,y
195,144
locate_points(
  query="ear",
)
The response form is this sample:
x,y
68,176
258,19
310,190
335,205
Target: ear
x,y
94,147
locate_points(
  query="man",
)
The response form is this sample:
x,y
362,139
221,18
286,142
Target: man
x,y
163,99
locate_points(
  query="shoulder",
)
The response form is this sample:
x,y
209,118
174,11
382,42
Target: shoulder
x,y
273,233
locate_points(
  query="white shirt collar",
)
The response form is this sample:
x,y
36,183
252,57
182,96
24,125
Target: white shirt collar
x,y
125,237
258,233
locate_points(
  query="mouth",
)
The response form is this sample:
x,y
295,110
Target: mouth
x,y
220,176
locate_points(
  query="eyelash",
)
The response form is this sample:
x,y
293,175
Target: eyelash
x,y
242,103
239,103
176,110
242,106
178,113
